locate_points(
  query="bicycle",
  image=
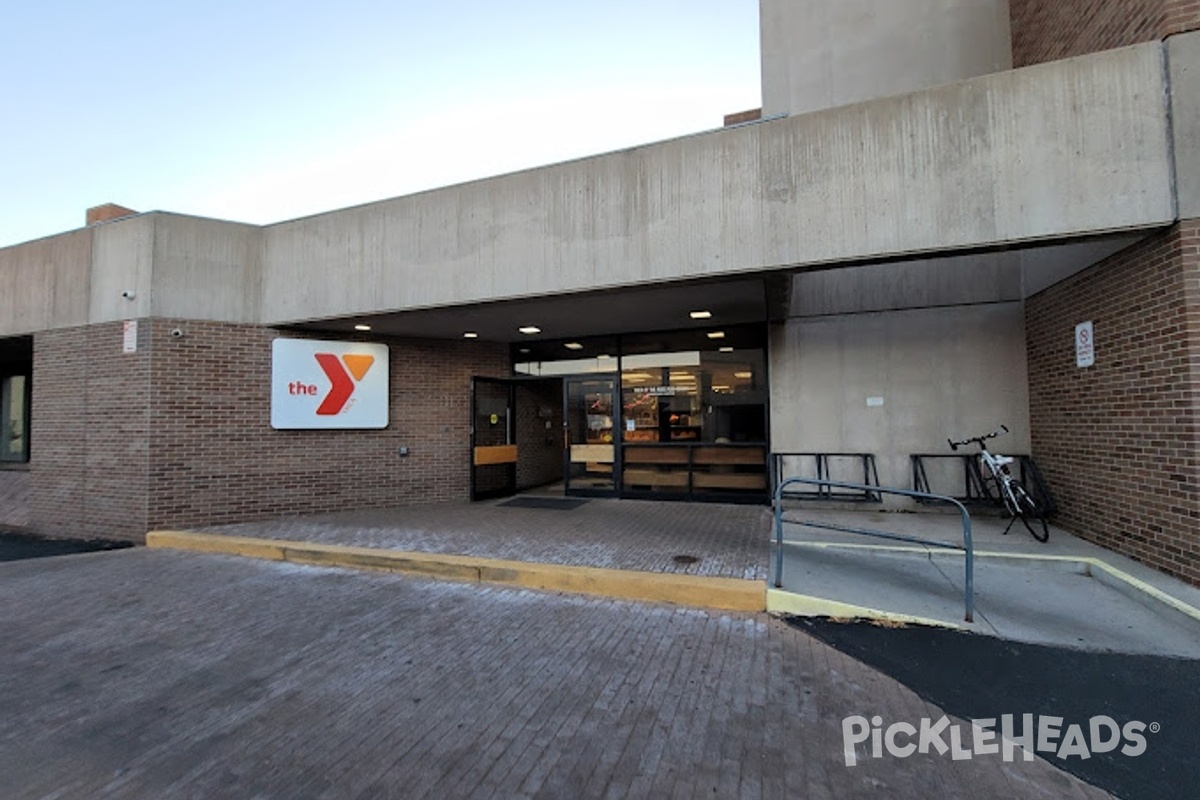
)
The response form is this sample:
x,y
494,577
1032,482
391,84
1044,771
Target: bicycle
x,y
1020,504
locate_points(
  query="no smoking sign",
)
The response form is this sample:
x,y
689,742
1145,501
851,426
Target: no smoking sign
x,y
1085,345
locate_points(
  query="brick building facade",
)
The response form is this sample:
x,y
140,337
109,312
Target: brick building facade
x,y
930,193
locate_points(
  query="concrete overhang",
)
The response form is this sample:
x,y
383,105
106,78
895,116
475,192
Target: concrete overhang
x,y
1068,149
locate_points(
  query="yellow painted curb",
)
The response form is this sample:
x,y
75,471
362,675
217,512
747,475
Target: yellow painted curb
x,y
727,594
803,605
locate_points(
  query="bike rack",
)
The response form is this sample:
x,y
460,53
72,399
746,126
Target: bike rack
x,y
824,464
966,546
977,487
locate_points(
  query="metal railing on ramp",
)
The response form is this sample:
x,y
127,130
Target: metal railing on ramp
x,y
821,484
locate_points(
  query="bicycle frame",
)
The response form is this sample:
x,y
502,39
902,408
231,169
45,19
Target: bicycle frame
x,y
997,466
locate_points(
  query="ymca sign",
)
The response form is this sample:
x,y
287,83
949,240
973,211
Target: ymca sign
x,y
327,385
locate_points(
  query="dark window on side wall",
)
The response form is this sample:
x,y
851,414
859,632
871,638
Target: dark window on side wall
x,y
14,418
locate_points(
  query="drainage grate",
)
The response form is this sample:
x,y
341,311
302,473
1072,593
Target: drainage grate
x,y
554,503
685,559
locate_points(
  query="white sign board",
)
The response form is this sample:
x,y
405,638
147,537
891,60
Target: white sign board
x,y
322,385
129,336
1085,345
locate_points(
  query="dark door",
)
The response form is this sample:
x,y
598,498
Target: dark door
x,y
493,442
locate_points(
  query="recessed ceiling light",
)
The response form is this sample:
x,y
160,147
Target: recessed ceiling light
x,y
726,349
743,374
524,349
720,388
470,335
573,346
362,327
716,334
530,329
701,315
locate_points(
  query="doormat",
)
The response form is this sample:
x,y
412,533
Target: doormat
x,y
556,503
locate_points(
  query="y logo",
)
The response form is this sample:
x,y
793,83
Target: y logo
x,y
342,386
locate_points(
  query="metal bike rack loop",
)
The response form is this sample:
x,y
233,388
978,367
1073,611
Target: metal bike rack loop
x,y
966,545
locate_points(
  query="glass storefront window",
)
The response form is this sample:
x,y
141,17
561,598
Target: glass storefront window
x,y
694,396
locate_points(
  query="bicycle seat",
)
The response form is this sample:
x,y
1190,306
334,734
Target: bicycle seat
x,y
1002,460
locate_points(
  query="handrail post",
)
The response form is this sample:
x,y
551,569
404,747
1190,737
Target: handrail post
x,y
779,536
967,545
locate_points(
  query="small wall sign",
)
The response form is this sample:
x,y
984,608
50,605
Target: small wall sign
x,y
1085,345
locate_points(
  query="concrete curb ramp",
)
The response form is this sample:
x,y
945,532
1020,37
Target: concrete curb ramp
x,y
780,601
727,594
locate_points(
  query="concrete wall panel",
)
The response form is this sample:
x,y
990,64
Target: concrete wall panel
x,y
1069,148
122,260
1183,53
44,283
946,372
819,54
205,269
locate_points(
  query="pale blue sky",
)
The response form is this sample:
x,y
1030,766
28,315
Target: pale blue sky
x,y
260,111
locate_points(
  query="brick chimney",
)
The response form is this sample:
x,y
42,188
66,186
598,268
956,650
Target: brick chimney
x,y
106,212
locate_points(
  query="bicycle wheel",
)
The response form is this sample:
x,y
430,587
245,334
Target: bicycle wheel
x,y
1030,512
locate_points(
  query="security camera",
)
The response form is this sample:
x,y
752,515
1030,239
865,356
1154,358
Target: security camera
x,y
176,333
129,294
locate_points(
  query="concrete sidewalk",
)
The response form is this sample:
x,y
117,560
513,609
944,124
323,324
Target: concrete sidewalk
x,y
150,673
1065,592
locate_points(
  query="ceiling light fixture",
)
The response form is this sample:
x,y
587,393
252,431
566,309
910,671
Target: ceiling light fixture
x,y
726,349
701,315
716,334
362,327
573,346
470,335
743,374
530,329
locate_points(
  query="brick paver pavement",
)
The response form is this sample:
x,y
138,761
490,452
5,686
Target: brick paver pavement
x,y
731,541
157,674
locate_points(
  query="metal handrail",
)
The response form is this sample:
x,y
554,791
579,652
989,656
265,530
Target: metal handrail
x,y
967,547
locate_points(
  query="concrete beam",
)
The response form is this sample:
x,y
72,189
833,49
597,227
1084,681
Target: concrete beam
x,y
1066,149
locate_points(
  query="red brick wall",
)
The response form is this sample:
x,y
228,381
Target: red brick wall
x,y
179,433
1119,442
89,433
1047,30
215,458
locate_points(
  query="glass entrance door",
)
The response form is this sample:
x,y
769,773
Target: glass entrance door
x,y
590,420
